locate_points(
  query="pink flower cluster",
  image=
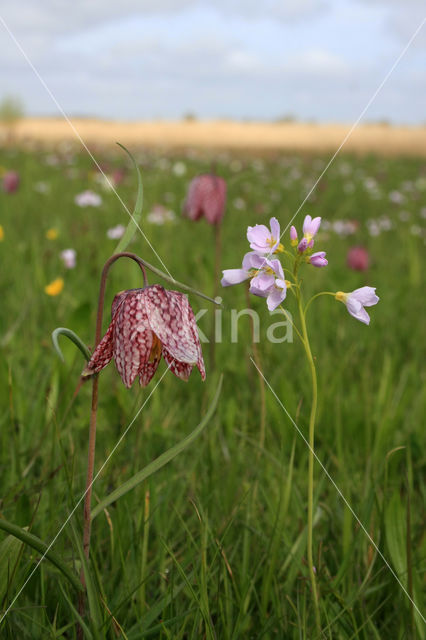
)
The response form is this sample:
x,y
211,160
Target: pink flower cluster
x,y
267,275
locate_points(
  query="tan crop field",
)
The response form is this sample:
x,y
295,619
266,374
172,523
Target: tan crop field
x,y
288,136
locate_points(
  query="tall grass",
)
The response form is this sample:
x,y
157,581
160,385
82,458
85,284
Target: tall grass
x,y
214,544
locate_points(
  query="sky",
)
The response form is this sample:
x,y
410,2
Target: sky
x,y
313,60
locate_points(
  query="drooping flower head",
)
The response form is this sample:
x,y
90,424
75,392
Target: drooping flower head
x,y
263,240
145,325
355,302
358,259
11,181
206,197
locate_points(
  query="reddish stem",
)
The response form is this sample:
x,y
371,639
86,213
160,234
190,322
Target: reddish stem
x,y
94,407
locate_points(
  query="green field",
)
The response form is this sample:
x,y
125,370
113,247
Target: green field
x,y
213,545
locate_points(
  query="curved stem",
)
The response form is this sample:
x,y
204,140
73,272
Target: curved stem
x,y
317,295
311,439
94,406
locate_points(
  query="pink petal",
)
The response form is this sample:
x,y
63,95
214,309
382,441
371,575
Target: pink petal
x,y
258,237
275,297
102,354
262,282
132,336
275,229
181,369
170,319
147,371
356,310
233,276
366,296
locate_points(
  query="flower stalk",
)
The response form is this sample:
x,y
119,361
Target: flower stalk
x,y
266,276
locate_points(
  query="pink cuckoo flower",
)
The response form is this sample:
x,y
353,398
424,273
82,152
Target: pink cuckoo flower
x,y
265,241
270,285
253,265
310,228
357,300
318,259
147,324
206,197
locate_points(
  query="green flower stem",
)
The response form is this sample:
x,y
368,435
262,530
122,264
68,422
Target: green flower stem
x,y
317,295
287,315
311,458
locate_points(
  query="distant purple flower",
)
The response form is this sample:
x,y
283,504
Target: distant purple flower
x,y
318,259
88,198
358,259
253,265
357,300
10,181
265,241
117,232
206,197
68,257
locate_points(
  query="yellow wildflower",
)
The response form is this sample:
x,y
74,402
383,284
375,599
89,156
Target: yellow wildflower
x,y
52,234
55,287
1,233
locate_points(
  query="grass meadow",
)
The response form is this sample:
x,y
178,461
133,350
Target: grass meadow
x,y
213,545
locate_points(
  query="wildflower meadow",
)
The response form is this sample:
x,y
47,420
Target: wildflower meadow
x,y
225,437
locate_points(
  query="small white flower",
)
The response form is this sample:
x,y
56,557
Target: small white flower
x,y
68,257
88,199
116,232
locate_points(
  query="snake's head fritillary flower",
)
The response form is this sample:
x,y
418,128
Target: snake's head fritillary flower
x,y
147,324
355,302
293,236
206,197
10,181
358,259
318,259
310,229
263,240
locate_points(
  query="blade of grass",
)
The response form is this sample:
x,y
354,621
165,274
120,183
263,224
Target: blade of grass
x,y
159,462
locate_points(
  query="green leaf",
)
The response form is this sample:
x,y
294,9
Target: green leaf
x,y
32,541
137,212
159,462
9,552
63,331
396,534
